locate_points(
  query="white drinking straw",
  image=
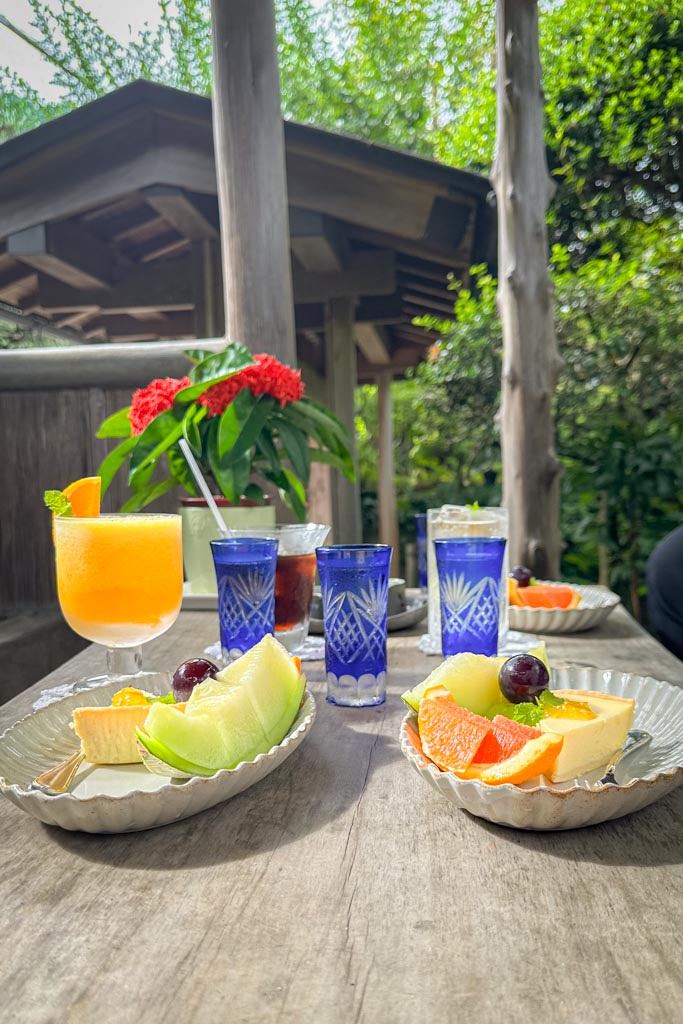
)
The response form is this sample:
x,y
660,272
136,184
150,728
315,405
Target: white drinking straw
x,y
203,487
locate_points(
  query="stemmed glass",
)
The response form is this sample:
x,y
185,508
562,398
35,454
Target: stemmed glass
x,y
119,583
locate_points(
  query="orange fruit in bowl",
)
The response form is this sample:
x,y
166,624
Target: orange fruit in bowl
x,y
505,739
537,757
546,595
450,735
84,496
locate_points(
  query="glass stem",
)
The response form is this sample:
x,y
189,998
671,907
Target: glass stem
x,y
124,661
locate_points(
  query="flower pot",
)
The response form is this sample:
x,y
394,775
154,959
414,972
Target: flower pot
x,y
199,529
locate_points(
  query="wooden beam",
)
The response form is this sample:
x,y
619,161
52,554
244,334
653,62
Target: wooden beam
x,y
340,363
374,343
178,210
67,252
368,273
357,197
449,257
402,357
250,170
386,488
163,287
371,309
316,240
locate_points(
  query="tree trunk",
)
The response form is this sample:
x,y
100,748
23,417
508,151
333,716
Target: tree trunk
x,y
250,170
523,188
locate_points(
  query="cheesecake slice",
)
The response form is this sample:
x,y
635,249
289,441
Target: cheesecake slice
x,y
107,734
588,743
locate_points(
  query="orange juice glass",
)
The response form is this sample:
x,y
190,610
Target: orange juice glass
x,y
119,580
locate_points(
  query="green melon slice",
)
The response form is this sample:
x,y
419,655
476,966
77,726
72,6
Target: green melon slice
x,y
245,711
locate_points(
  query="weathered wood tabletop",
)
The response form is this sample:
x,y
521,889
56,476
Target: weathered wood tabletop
x,y
342,888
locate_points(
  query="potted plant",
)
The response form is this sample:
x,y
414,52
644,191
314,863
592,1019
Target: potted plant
x,y
247,421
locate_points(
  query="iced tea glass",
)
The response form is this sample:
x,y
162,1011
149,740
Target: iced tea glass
x,y
294,576
119,581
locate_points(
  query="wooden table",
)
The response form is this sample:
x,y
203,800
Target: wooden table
x,y
342,888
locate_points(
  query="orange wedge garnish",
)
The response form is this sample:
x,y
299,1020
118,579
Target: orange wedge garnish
x,y
536,757
84,496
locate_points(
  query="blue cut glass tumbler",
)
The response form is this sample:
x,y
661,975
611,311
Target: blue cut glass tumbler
x,y
469,591
421,545
355,582
245,574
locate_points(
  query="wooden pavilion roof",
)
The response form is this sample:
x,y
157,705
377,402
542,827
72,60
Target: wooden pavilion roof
x,y
109,227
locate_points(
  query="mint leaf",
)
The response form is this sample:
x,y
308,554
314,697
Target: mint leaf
x,y
167,698
546,699
474,507
527,714
58,503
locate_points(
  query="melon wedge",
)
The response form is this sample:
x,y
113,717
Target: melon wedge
x,y
245,711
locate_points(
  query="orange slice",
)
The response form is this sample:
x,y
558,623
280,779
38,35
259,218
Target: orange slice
x,y
537,757
546,595
513,592
450,735
84,496
504,740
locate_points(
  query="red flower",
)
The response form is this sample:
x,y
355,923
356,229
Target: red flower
x,y
268,376
156,397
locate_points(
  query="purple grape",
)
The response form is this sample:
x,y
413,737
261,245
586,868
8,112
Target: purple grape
x,y
522,678
522,575
191,672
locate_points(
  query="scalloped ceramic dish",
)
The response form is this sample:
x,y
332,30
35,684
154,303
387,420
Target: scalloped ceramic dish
x,y
644,777
119,798
596,604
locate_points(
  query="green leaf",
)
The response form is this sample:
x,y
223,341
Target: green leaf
x,y
546,699
266,446
113,461
319,414
58,503
191,420
145,497
180,471
197,355
167,698
233,358
527,714
233,478
320,455
295,444
248,435
232,420
116,425
254,493
164,430
291,491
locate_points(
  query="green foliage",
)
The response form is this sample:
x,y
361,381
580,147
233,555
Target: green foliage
x,y
619,408
252,440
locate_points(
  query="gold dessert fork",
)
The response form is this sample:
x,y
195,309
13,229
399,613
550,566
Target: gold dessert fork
x,y
58,779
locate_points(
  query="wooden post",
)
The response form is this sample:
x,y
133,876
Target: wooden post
x,y
530,358
386,489
207,290
340,366
250,171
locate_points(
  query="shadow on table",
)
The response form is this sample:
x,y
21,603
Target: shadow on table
x,y
309,793
648,838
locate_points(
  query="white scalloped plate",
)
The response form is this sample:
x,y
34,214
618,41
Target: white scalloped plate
x,y
119,798
646,776
596,604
